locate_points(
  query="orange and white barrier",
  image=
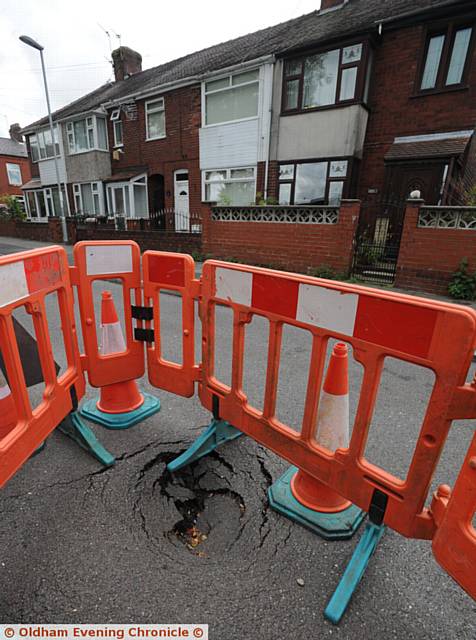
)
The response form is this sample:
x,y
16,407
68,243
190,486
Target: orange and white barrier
x,y
8,412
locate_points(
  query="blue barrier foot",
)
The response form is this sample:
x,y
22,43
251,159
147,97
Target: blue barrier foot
x,y
217,432
74,428
125,420
331,526
354,572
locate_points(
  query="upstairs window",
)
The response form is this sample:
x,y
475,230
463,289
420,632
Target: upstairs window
x,y
117,127
87,134
234,97
446,57
41,144
14,174
323,79
155,119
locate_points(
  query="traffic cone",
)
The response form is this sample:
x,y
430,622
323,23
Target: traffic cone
x,y
120,405
8,411
301,497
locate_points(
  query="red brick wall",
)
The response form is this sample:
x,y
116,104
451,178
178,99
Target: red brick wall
x,y
397,110
25,174
294,247
429,257
178,150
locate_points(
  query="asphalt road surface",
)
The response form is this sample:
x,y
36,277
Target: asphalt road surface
x,y
82,544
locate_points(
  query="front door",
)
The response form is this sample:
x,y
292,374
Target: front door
x,y
400,181
182,207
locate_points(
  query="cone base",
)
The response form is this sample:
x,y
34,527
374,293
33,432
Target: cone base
x,y
125,420
330,526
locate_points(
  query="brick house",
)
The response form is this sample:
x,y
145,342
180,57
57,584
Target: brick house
x,y
14,164
361,99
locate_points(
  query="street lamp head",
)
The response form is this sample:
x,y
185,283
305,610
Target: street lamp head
x,y
31,43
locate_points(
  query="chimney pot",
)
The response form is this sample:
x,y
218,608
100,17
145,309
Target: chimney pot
x,y
14,132
126,62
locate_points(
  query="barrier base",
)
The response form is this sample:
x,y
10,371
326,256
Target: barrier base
x,y
125,420
38,449
217,433
354,571
331,526
73,427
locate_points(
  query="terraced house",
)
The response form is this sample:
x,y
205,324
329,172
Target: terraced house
x,y
360,99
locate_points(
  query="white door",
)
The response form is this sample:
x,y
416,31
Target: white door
x,y
182,207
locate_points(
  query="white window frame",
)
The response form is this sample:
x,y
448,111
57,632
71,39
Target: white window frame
x,y
47,194
227,179
230,86
149,110
96,189
91,128
117,123
35,142
111,198
11,182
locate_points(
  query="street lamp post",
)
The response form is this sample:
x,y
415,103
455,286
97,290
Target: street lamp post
x,y
32,43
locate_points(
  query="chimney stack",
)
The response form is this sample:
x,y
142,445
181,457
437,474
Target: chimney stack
x,y
330,4
126,62
14,132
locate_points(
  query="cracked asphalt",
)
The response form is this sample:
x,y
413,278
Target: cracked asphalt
x,y
79,543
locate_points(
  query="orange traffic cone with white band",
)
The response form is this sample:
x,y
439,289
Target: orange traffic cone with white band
x,y
299,495
121,404
8,412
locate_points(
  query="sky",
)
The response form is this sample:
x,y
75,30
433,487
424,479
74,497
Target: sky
x,y
77,47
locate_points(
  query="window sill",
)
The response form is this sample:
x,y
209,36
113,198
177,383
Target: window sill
x,y
221,124
79,153
118,146
157,138
434,92
327,107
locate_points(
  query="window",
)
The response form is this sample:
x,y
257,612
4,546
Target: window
x,y
41,145
230,186
88,198
44,203
14,174
234,97
323,79
155,119
117,127
128,198
87,134
445,58
312,183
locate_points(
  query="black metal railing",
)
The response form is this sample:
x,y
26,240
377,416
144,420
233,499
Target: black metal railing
x,y
375,262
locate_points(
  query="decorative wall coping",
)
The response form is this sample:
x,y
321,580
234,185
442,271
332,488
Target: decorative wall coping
x,y
288,215
447,218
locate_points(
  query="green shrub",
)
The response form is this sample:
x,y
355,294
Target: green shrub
x,y
463,284
13,207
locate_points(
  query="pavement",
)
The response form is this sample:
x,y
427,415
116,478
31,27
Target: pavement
x,y
79,543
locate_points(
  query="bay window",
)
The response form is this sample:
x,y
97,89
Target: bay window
x,y
87,134
230,186
88,198
234,97
117,127
323,79
155,119
128,199
446,57
312,182
41,144
44,203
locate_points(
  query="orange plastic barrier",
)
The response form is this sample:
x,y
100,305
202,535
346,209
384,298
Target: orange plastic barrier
x,y
108,260
25,280
172,272
377,324
454,544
